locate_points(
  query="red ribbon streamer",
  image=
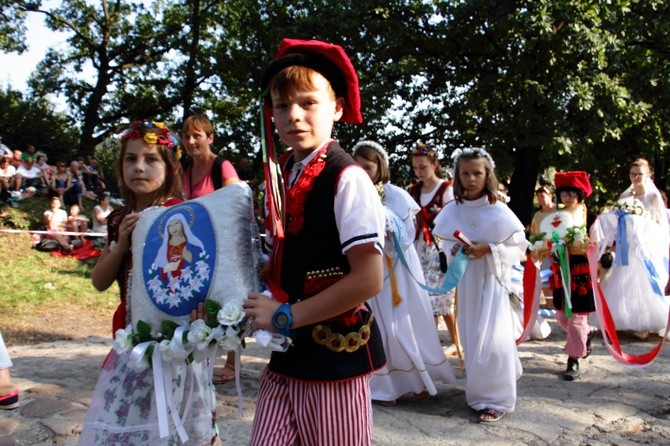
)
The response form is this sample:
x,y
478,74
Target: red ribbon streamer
x,y
531,297
607,322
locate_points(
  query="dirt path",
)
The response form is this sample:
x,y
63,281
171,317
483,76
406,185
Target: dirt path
x,y
610,404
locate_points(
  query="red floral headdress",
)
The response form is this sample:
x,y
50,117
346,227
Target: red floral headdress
x,y
152,132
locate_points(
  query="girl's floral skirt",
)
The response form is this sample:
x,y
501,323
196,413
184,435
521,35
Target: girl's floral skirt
x,y
128,408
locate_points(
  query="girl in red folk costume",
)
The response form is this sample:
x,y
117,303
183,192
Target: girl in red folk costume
x,y
325,265
431,193
571,280
149,175
122,409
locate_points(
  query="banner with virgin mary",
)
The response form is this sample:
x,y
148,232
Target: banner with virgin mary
x,y
206,248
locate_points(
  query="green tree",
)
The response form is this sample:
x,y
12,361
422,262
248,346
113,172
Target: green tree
x,y
540,83
108,71
34,121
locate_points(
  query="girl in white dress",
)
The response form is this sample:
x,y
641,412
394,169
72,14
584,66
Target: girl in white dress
x,y
431,193
484,319
414,356
637,231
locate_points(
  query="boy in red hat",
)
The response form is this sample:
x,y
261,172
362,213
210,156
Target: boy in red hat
x,y
574,300
326,259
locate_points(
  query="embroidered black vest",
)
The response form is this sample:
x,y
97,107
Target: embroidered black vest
x,y
312,261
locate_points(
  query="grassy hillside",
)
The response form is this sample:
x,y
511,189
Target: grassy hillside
x,y
43,297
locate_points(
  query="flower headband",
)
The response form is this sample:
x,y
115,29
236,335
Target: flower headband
x,y
165,137
424,150
470,152
376,147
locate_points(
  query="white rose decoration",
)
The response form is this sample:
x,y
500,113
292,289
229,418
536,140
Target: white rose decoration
x,y
199,334
166,351
230,314
539,244
123,340
231,340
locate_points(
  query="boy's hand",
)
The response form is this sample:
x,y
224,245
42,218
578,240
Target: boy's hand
x,y
261,309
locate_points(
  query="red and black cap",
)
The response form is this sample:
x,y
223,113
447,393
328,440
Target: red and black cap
x,y
327,59
576,179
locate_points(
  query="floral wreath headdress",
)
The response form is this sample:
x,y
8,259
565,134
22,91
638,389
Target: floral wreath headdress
x,y
470,151
375,146
164,136
423,150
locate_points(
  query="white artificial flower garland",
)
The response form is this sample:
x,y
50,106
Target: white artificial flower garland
x,y
469,151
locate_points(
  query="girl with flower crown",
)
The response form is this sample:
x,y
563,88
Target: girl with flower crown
x,y
414,356
496,243
431,193
123,409
637,231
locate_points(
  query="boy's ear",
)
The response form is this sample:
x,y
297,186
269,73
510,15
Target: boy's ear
x,y
339,108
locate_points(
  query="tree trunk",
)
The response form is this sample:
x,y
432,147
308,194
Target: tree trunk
x,y
522,183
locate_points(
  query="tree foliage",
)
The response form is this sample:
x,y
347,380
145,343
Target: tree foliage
x,y
34,121
539,83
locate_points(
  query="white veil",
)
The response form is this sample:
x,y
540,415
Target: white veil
x,y
191,239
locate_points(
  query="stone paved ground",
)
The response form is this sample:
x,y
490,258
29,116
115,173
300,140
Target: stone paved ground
x,y
610,405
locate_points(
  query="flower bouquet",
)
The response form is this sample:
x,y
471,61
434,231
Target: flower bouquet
x,y
225,327
540,246
577,240
634,207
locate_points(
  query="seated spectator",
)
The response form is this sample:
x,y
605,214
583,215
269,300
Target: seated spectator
x,y
78,189
100,213
77,223
16,160
5,151
7,173
60,180
28,175
9,395
56,219
93,176
28,153
46,172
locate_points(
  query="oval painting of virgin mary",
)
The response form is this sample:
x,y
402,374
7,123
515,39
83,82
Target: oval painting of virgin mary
x,y
177,265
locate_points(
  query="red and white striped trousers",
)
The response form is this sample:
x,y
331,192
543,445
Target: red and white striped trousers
x,y
577,328
290,412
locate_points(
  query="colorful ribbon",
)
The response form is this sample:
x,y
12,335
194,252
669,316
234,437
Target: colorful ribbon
x,y
453,275
621,240
396,298
532,288
607,322
563,262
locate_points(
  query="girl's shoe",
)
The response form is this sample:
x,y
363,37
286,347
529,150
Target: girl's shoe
x,y
9,398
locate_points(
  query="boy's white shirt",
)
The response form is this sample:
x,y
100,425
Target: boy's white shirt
x,y
354,191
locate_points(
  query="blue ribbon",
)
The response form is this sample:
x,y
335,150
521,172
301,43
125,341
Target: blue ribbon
x,y
451,278
653,278
621,258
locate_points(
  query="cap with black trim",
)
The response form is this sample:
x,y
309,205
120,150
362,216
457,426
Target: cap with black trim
x,y
327,59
